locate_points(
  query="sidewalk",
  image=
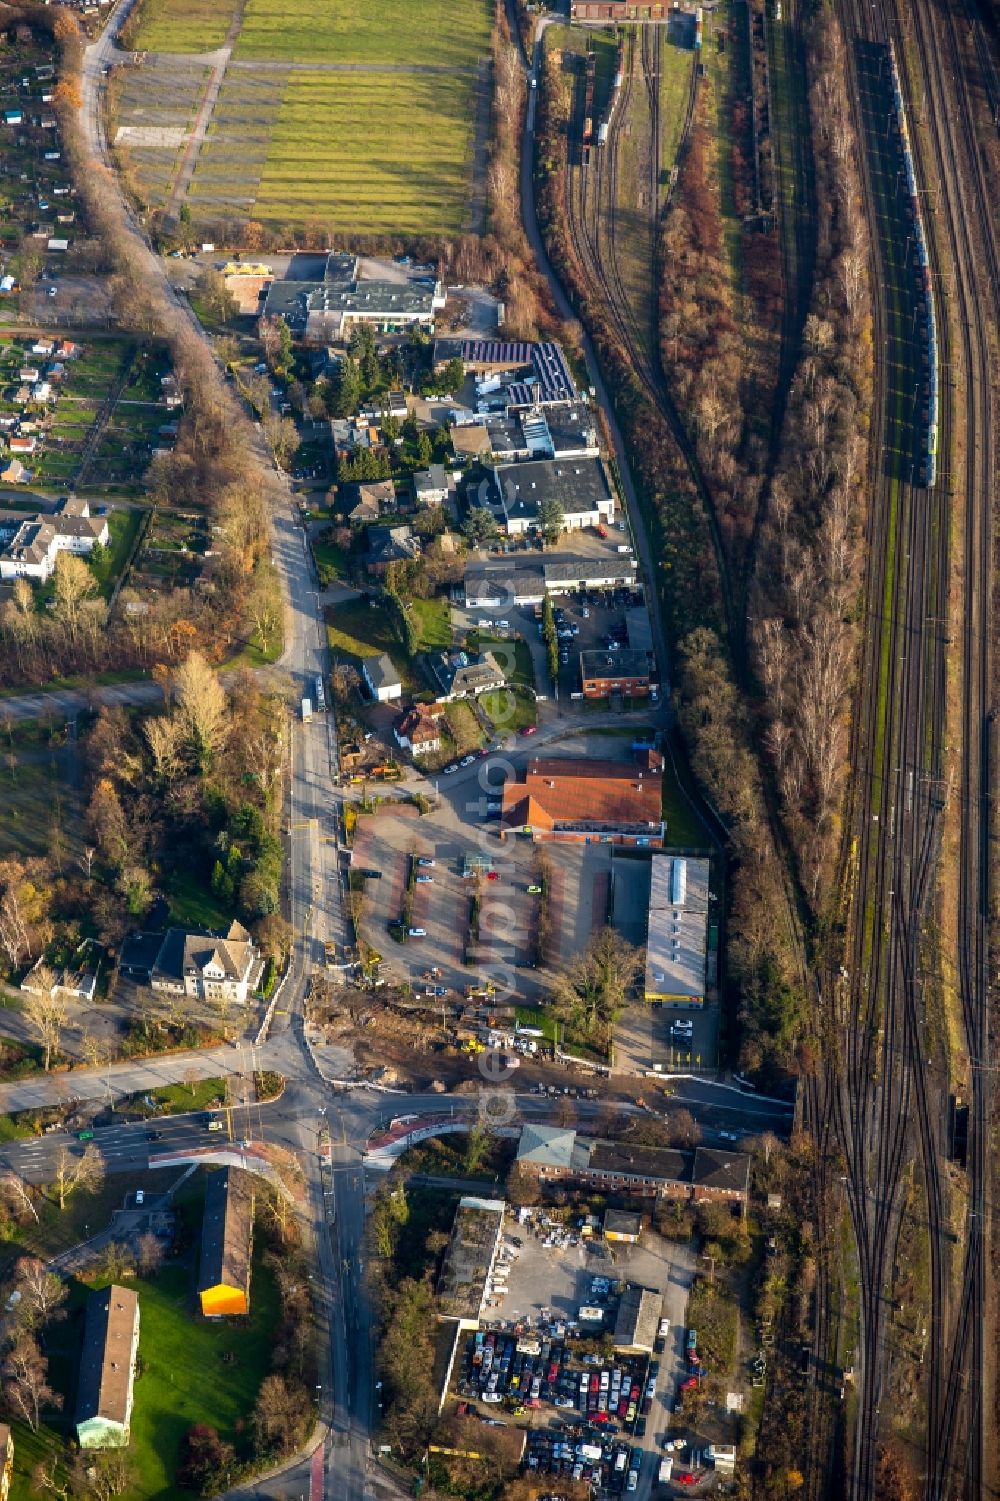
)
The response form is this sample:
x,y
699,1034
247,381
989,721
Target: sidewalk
x,y
119,1078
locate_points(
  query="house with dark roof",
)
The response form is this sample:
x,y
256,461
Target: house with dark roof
x,y
390,544
559,1153
381,678
367,500
460,675
615,674
210,966
574,801
721,1175
107,1368
226,1244
37,543
430,486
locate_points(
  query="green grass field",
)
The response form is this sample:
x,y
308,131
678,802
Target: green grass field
x,y
435,32
371,152
193,905
41,790
183,25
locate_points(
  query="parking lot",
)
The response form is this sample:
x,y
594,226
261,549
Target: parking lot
x,y
442,896
544,1365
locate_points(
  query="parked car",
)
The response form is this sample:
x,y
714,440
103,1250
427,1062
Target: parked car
x,y
452,766
417,932
425,861
534,890
466,761
530,729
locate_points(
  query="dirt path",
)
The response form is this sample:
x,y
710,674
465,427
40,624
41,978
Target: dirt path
x,y
185,172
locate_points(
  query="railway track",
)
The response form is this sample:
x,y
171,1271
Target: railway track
x,y
884,1037
882,1088
961,1432
591,205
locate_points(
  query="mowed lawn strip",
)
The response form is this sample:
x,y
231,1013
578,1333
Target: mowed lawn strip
x,y
371,151
395,31
183,25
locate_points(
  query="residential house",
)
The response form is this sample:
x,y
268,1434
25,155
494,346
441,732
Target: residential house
x,y
430,486
226,1244
460,675
14,474
208,966
381,677
6,1460
22,443
107,1368
417,730
615,674
366,501
573,801
32,551
390,544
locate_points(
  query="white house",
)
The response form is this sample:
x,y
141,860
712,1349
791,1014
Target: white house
x,y
382,678
430,486
580,487
32,551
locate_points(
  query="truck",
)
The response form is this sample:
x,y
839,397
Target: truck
x,y
320,694
666,1469
307,711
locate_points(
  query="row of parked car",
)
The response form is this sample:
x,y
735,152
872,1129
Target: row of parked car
x,y
584,1453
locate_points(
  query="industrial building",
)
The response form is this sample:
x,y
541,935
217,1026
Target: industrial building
x,y
677,933
325,311
573,801
557,1153
638,1321
463,1284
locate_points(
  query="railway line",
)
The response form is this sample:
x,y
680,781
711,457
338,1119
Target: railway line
x,y
592,216
888,1108
956,1451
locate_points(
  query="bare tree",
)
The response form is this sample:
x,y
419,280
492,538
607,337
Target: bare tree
x,y
74,583
18,1194
106,1475
202,708
163,736
42,1292
15,938
47,1009
51,1475
26,1386
149,1254
71,1173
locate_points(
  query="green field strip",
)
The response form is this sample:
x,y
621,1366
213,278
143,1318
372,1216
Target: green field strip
x,y
183,25
395,31
403,163
676,64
